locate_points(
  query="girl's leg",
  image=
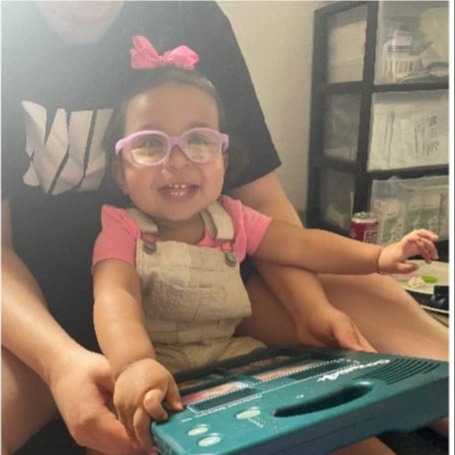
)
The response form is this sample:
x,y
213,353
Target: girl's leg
x,y
27,404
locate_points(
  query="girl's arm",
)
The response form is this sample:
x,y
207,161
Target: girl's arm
x,y
324,252
142,384
296,289
118,314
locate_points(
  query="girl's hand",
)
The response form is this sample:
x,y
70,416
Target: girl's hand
x,y
393,257
139,392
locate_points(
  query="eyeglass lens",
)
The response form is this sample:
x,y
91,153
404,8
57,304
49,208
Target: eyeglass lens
x,y
199,146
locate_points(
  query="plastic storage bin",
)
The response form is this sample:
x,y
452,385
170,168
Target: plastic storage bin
x,y
341,126
402,205
346,45
409,129
336,197
412,42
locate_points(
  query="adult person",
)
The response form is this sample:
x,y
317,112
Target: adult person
x,y
64,65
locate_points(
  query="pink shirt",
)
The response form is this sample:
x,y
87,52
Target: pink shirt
x,y
120,232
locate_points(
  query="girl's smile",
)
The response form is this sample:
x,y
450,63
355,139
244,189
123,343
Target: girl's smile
x,y
178,190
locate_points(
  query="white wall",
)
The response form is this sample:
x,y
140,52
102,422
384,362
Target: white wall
x,y
276,41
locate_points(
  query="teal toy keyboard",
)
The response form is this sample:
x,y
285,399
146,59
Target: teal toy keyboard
x,y
301,400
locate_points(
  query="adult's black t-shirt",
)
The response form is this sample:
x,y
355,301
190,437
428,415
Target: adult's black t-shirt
x,y
57,99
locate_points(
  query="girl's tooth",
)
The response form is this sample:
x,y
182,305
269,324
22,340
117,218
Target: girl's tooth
x,y
178,186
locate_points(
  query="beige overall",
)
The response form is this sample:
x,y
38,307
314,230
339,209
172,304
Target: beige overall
x,y
193,297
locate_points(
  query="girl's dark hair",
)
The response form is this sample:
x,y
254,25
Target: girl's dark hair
x,y
143,80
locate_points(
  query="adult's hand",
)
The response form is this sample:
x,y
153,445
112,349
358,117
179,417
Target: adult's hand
x,y
327,326
82,388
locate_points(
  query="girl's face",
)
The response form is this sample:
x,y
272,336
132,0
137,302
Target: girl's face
x,y
178,189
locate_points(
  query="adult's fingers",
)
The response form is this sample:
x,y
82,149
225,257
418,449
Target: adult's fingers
x,y
364,344
126,418
125,414
142,429
108,435
349,337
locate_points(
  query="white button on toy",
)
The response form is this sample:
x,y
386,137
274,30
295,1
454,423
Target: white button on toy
x,y
210,440
248,413
196,431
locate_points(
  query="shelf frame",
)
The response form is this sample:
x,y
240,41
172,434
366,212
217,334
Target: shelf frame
x,y
366,88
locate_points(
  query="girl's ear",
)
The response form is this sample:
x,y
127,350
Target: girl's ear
x,y
117,172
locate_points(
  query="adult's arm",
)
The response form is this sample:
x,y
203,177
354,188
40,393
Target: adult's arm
x,y
267,196
24,311
80,381
299,291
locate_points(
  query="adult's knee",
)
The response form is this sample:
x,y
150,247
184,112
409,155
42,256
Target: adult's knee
x,y
27,403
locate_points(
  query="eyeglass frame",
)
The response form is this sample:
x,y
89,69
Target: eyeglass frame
x,y
126,144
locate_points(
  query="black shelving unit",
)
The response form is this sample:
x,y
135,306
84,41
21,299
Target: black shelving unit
x,y
365,89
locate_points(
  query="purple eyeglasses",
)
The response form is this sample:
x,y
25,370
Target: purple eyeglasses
x,y
152,148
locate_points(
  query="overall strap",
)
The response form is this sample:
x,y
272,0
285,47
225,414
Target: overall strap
x,y
218,222
215,217
145,223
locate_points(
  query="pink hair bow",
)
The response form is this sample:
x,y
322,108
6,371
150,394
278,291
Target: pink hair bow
x,y
145,56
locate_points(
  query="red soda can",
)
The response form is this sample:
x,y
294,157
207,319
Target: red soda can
x,y
364,227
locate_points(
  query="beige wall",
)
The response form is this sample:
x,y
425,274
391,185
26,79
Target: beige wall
x,y
276,40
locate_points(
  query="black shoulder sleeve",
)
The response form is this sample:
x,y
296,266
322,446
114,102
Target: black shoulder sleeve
x,y
208,31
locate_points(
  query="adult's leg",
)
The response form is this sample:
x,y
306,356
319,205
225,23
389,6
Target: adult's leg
x,y
269,322
391,320
371,446
387,315
27,404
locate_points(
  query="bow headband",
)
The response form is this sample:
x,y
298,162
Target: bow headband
x,y
145,56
